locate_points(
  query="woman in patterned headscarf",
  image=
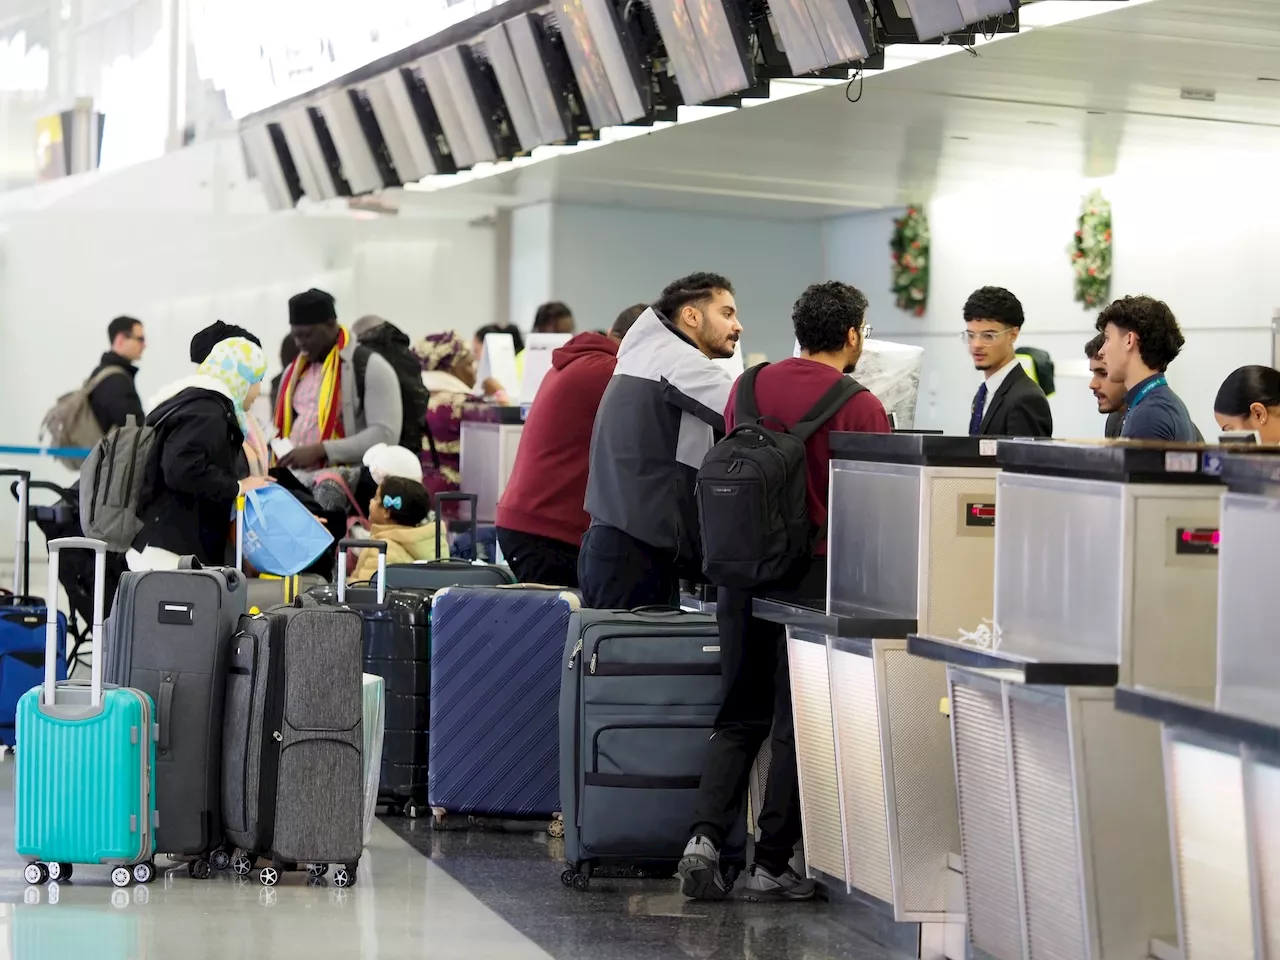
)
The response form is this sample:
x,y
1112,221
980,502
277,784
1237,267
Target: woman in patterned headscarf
x,y
194,477
449,372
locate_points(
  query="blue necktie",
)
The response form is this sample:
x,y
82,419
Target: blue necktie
x,y
979,406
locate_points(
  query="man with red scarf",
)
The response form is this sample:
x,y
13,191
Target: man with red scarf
x,y
330,414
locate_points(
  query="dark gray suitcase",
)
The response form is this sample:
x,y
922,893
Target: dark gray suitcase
x,y
170,636
293,787
638,701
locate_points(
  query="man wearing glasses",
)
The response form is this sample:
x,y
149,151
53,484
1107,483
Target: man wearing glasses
x,y
112,396
1008,403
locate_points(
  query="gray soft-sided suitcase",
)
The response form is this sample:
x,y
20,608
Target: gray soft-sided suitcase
x,y
638,700
293,787
170,636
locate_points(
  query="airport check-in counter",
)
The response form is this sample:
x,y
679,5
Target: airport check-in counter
x,y
1222,755
910,546
490,438
1106,572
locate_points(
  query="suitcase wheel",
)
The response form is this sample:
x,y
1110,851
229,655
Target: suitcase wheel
x,y
142,872
344,877
269,876
121,876
581,882
567,877
59,871
199,869
317,870
413,811
241,864
35,873
220,858
555,829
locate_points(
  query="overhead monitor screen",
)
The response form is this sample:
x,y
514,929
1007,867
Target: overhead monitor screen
x,y
935,18
975,11
621,63
503,59
532,57
723,38
684,51
407,145
822,33
457,69
588,64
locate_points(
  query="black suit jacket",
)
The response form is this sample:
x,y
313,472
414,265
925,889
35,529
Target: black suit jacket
x,y
1018,409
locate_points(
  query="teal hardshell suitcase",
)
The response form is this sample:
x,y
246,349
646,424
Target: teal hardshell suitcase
x,y
84,792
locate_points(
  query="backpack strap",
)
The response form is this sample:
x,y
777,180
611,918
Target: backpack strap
x,y
828,406
360,364
745,409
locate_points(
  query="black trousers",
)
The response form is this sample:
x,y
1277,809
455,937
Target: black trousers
x,y
757,699
618,572
537,559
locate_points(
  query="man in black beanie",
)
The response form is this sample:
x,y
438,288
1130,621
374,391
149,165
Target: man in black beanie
x,y
331,414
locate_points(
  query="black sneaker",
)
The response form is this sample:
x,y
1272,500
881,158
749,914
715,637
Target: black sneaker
x,y
763,885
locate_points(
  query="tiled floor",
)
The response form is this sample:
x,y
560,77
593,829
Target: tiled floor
x,y
420,894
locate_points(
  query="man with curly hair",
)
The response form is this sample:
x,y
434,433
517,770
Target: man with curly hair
x,y
1142,339
829,320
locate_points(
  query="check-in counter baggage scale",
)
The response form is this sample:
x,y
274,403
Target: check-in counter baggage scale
x,y
1222,753
1106,572
910,547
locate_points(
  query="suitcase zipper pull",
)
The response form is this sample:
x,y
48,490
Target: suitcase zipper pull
x,y
594,658
278,737
573,657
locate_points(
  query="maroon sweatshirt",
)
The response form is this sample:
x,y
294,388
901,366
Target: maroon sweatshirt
x,y
548,484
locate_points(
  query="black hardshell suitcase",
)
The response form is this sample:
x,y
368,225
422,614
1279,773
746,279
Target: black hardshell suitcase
x,y
397,643
437,574
293,790
170,636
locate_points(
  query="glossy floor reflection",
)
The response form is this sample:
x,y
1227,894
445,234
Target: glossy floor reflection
x,y
421,894
518,877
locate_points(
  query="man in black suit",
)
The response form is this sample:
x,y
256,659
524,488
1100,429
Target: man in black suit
x,y
1009,403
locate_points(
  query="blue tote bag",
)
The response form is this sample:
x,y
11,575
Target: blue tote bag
x,y
278,534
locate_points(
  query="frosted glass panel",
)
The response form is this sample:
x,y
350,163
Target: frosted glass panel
x,y
1248,665
874,546
1058,568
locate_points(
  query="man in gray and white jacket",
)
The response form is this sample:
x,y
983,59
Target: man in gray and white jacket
x,y
661,413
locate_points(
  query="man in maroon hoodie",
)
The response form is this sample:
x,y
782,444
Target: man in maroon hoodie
x,y
541,518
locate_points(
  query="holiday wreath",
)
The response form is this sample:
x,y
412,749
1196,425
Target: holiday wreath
x,y
1091,251
910,245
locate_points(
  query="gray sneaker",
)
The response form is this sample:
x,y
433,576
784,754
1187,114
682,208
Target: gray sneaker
x,y
699,870
789,885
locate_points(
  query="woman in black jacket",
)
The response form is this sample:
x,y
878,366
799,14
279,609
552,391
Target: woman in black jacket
x,y
194,475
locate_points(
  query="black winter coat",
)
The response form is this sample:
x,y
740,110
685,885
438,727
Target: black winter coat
x,y
193,478
115,399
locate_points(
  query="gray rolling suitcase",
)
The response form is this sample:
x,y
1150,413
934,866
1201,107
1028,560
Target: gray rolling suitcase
x,y
293,783
170,636
638,700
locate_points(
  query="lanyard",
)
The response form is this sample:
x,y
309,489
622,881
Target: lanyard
x,y
1159,381
1142,394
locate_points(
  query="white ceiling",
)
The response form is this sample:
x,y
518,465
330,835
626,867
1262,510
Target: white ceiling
x,y
1065,100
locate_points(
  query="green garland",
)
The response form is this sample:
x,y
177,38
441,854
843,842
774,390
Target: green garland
x,y
1091,251
910,246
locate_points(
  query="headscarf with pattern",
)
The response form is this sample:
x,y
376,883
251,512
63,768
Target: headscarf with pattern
x,y
237,364
441,351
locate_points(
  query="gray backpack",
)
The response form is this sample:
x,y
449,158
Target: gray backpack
x,y
111,484
71,422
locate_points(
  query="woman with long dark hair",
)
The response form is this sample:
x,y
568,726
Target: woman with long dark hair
x,y
1249,399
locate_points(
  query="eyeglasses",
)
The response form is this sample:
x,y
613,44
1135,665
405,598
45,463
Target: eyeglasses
x,y
987,337
866,331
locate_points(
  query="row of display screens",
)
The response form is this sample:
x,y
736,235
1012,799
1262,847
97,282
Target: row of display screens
x,y
558,75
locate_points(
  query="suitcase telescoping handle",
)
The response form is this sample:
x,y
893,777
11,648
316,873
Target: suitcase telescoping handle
x,y
239,533
22,548
381,547
468,498
51,623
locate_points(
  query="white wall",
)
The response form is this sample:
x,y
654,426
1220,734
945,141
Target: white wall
x,y
606,258
1206,247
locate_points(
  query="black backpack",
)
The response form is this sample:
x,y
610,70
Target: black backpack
x,y
392,344
752,491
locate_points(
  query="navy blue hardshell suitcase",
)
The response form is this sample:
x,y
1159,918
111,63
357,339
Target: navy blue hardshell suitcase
x,y
495,689
22,625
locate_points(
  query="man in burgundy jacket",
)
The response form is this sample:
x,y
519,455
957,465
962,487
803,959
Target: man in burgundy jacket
x,y
541,518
